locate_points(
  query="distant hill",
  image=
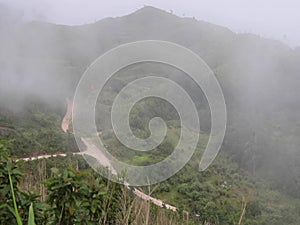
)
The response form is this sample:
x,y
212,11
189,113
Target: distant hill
x,y
259,78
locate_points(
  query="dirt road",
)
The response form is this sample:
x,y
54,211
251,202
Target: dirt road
x,y
92,150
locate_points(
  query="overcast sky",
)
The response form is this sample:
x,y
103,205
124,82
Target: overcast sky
x,y
277,19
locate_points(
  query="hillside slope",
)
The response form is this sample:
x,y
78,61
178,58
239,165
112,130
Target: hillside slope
x,y
41,64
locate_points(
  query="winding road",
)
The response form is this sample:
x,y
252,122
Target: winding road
x,y
92,150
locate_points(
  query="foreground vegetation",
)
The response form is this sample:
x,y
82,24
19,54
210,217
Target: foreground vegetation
x,y
78,195
72,197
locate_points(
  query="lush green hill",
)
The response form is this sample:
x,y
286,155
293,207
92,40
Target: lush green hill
x,y
41,64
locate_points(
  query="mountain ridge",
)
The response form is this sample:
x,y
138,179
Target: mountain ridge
x,y
259,77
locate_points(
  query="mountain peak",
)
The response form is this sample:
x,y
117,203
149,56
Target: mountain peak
x,y
150,11
148,8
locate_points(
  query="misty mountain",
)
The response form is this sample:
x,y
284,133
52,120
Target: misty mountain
x,y
260,78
